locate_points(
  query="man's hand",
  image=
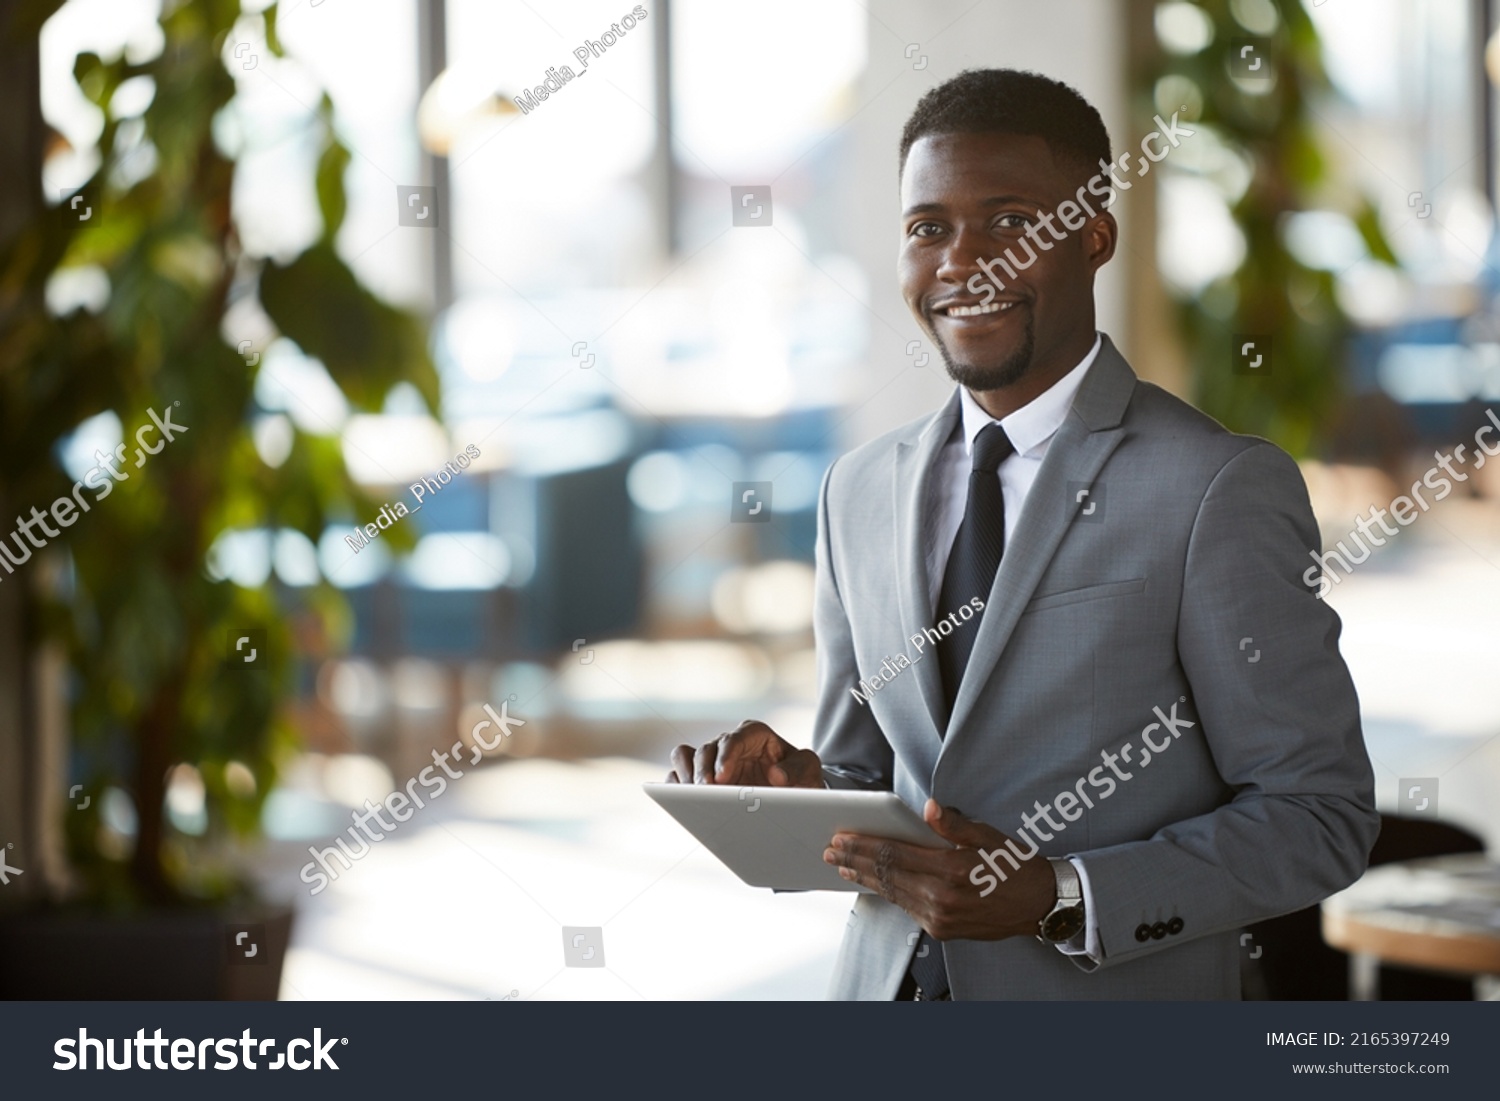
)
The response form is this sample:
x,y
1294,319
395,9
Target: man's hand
x,y
752,753
933,885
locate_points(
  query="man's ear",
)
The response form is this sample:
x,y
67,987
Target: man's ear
x,y
1099,238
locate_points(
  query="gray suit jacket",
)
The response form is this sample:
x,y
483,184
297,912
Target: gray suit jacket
x,y
1181,589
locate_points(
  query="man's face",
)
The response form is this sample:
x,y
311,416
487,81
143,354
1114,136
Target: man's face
x,y
970,197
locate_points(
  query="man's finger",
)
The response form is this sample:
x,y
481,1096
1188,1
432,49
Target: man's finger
x,y
962,831
682,765
729,751
877,865
860,852
746,744
800,768
704,763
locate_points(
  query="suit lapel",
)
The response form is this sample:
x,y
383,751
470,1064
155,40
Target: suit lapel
x,y
1088,436
914,534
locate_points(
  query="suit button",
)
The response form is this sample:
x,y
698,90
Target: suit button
x,y
1174,926
1143,932
1158,930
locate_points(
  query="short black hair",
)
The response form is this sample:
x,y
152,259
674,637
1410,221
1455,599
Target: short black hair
x,y
1011,101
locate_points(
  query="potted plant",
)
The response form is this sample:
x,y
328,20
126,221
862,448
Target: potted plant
x,y
1270,126
149,643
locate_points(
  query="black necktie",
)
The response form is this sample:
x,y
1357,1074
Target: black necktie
x,y
975,557
971,572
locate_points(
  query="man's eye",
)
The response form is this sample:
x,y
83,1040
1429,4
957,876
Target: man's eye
x,y
925,229
1012,221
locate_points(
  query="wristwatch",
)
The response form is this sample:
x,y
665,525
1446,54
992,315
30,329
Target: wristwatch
x,y
1065,920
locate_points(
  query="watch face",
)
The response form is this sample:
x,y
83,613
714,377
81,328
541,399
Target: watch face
x,y
1063,924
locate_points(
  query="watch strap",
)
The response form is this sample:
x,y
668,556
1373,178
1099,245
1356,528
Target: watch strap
x,y
1069,885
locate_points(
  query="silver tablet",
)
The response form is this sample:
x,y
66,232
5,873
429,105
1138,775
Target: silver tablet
x,y
775,837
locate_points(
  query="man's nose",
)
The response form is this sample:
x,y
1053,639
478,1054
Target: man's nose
x,y
961,257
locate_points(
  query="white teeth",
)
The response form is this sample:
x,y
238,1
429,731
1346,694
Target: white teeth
x,y
975,311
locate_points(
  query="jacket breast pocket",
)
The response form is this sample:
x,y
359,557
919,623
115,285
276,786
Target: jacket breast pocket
x,y
1085,594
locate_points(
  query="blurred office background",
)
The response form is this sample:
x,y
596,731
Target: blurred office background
x,y
624,357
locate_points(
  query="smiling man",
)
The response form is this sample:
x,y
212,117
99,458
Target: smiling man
x,y
1124,782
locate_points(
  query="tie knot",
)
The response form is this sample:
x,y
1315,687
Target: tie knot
x,y
991,448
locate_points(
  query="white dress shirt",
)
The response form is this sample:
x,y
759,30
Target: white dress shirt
x,y
1030,429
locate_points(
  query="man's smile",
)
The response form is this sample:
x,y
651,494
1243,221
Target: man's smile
x,y
974,311
963,319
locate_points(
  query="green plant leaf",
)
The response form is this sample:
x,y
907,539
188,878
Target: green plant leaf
x,y
330,182
366,345
1367,221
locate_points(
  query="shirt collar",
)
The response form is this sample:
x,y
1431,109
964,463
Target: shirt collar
x,y
1035,422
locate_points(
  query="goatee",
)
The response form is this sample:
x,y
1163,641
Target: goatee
x,y
991,376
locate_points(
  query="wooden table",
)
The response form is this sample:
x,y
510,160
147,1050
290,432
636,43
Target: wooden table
x,y
1440,914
